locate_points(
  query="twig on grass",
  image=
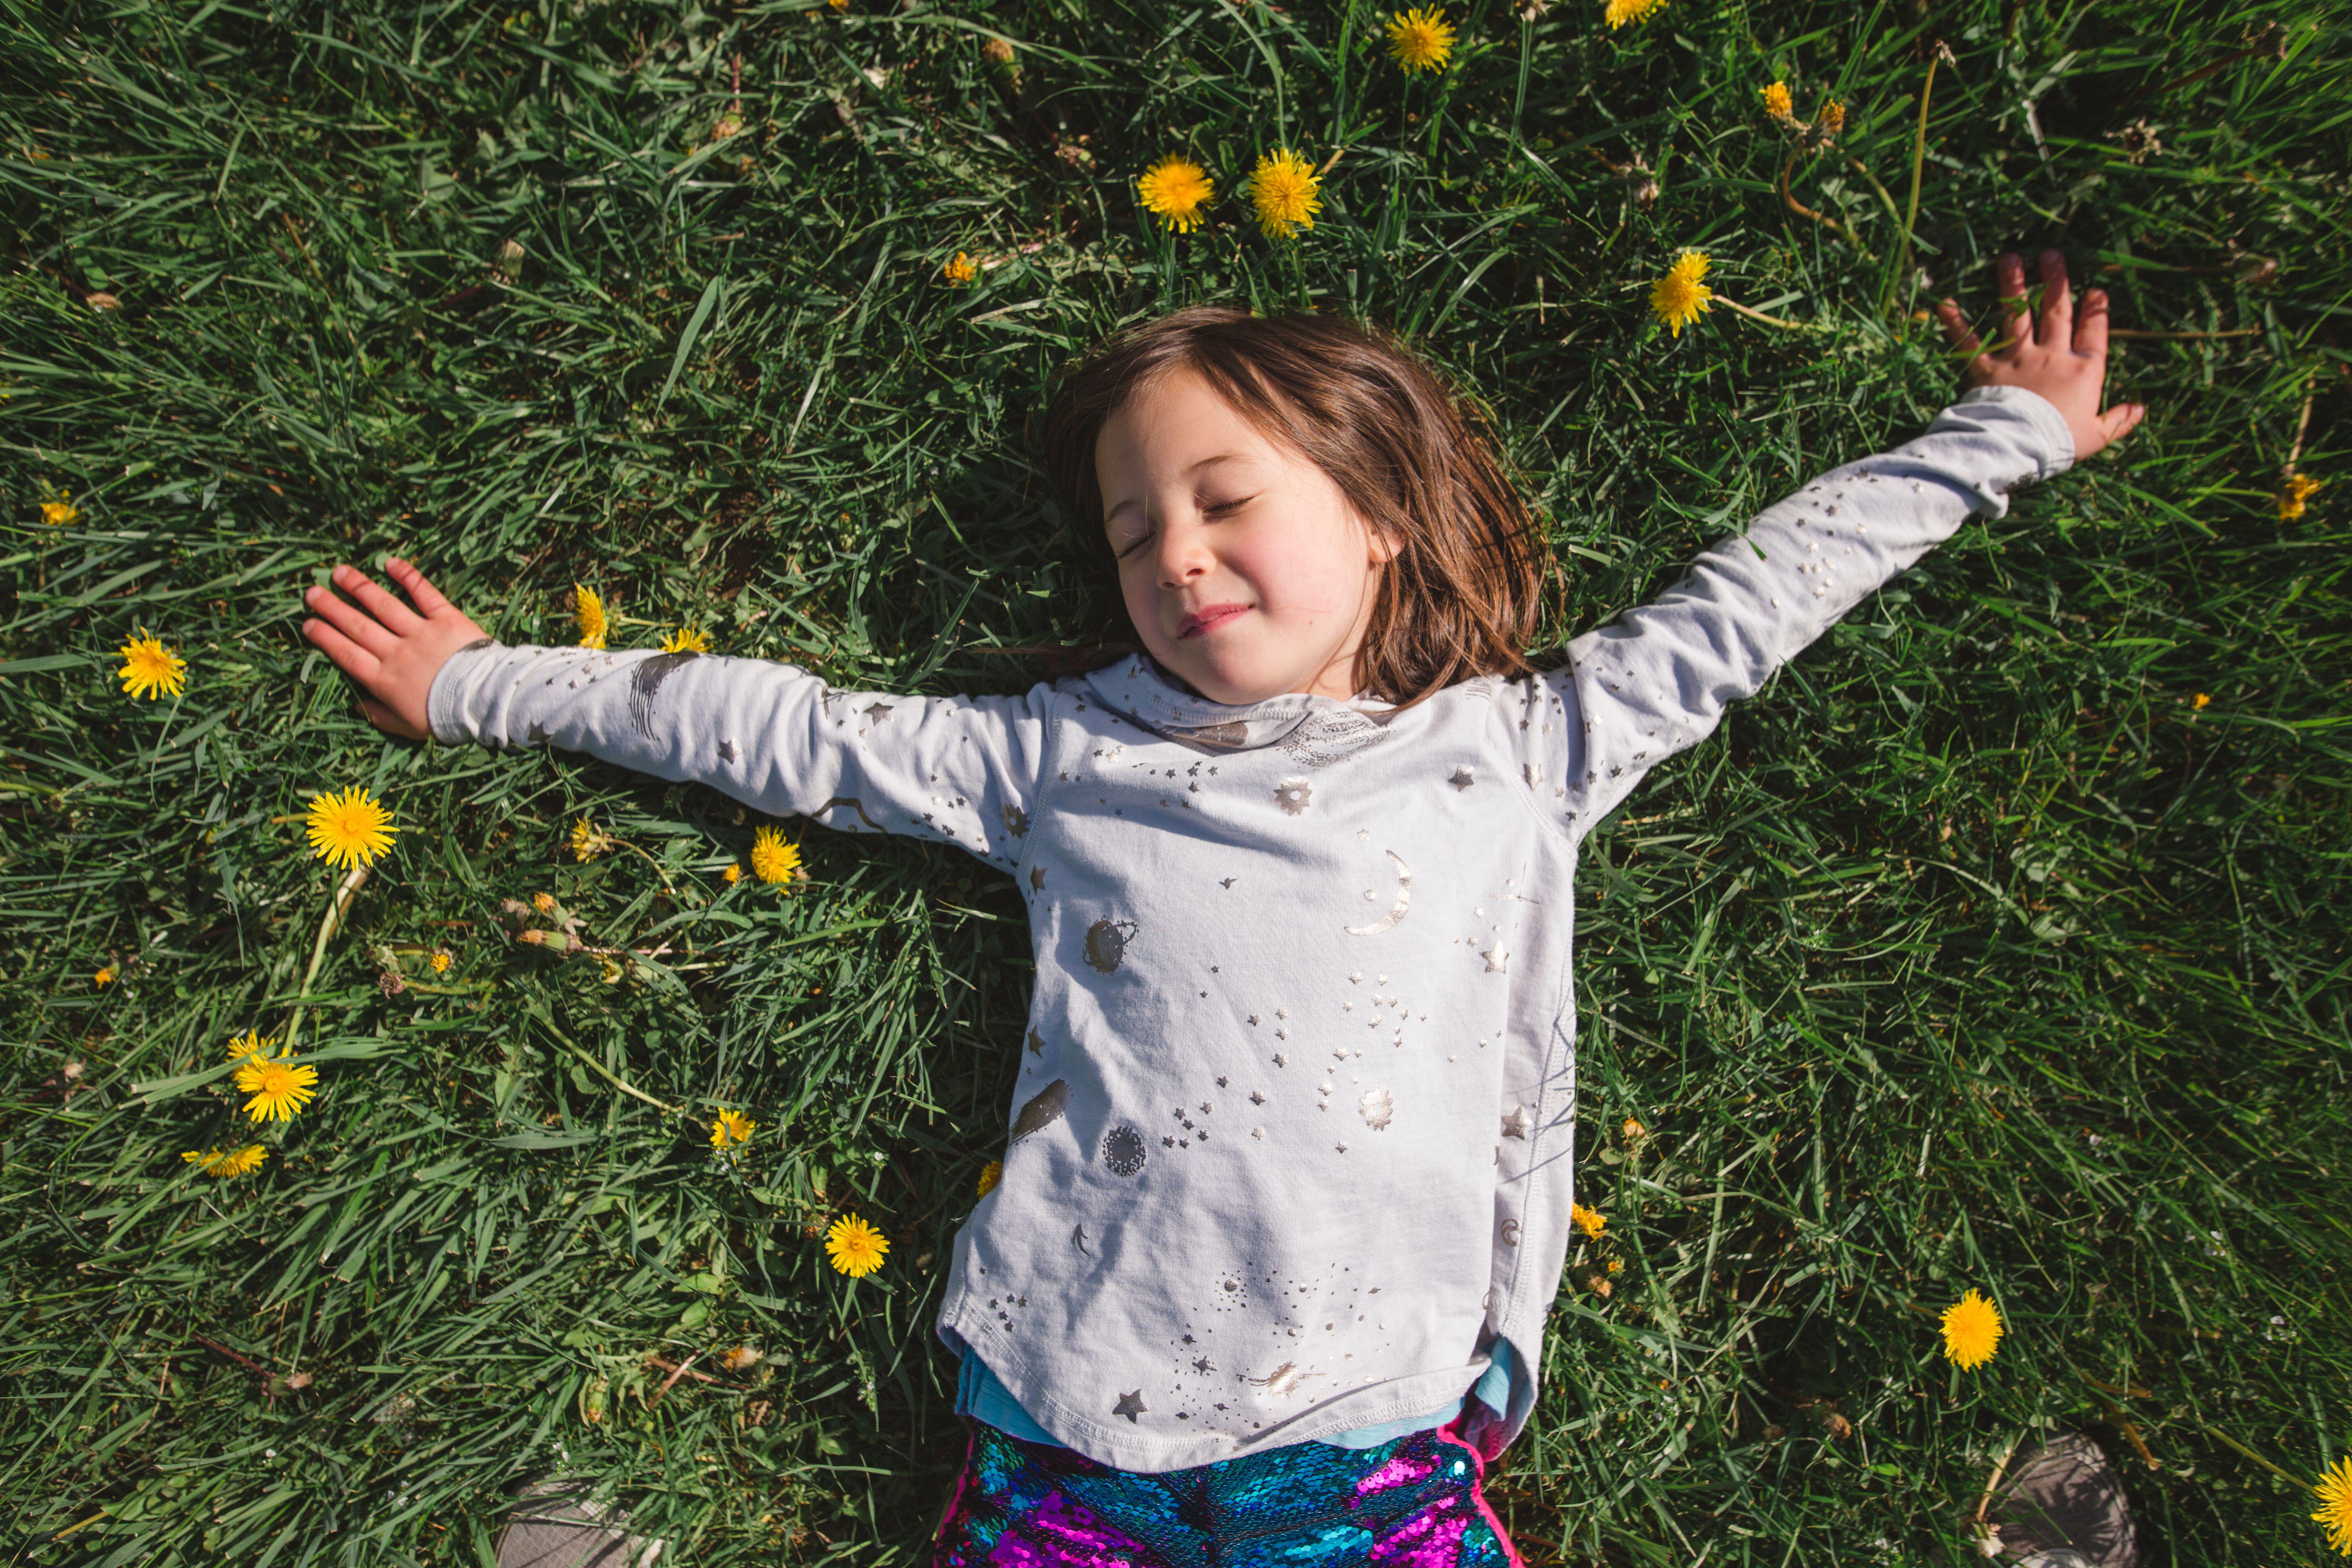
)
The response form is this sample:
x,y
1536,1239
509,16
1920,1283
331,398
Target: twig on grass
x,y
1827,222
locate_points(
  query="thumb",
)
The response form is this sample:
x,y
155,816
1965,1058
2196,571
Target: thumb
x,y
383,718
2120,421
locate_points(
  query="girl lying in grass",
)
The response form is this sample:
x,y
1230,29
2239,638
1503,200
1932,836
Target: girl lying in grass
x,y
1287,1188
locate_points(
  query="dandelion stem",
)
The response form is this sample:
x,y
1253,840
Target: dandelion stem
x,y
2218,1436
2140,332
352,882
649,860
1769,321
2310,388
1918,166
624,1085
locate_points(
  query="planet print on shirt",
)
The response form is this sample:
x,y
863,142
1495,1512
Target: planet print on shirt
x,y
1123,1151
1107,941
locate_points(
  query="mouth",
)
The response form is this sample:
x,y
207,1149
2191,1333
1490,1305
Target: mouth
x,y
1202,621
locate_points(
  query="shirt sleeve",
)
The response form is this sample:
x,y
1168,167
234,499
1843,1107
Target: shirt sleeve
x,y
1655,680
962,770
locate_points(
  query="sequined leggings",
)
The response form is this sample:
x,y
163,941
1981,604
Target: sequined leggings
x,y
1412,1502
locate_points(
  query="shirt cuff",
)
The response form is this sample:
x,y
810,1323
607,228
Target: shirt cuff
x,y
2043,414
441,702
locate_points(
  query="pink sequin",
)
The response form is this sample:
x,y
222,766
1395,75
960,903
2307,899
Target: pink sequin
x,y
1399,1471
1431,1539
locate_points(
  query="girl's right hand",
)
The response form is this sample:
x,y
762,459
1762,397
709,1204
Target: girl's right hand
x,y
393,651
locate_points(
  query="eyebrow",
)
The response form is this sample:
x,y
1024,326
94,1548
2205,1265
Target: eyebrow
x,y
1194,469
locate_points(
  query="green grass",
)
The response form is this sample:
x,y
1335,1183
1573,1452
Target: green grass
x,y
1980,950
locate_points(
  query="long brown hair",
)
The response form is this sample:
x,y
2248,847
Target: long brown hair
x,y
1415,460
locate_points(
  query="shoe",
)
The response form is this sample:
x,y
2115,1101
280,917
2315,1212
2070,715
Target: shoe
x,y
2061,1506
552,1525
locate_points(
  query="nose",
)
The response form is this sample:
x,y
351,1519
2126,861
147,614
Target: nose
x,y
1183,555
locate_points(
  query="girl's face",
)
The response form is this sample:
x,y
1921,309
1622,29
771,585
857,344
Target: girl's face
x,y
1244,568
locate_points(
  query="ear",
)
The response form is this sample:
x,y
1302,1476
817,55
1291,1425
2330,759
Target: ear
x,y
1380,546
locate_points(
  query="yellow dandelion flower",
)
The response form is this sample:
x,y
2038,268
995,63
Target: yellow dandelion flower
x,y
990,1175
589,605
855,1246
1777,104
1621,12
1590,1222
58,513
105,976
588,840
732,875
730,1128
1831,119
2199,701
235,1162
350,828
1421,40
1174,190
1971,1330
960,272
838,4
2295,491
1634,1131
772,859
280,1087
1679,297
441,962
1616,1266
1282,188
251,1046
149,667
2335,1490
687,639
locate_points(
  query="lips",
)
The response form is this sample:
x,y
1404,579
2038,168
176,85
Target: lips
x,y
1208,619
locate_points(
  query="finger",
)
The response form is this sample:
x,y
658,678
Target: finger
x,y
383,718
2122,419
354,624
350,658
397,617
2091,325
1956,327
2017,326
2056,327
427,599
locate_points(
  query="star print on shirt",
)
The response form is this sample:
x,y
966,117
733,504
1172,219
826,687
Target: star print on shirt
x,y
1131,1405
1497,958
1514,1125
1463,778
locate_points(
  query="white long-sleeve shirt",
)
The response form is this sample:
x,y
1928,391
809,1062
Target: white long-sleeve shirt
x,y
1291,1144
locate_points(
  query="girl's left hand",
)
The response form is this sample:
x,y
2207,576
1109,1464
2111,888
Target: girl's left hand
x,y
2061,354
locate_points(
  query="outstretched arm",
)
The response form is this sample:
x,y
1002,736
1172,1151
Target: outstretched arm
x,y
1657,679
961,770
